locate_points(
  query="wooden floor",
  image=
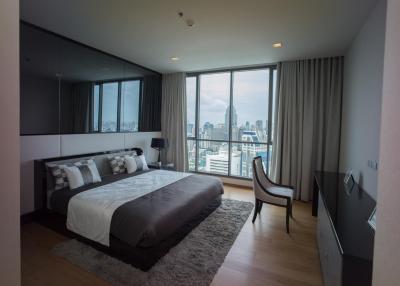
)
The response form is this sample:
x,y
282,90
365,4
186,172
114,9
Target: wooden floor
x,y
263,254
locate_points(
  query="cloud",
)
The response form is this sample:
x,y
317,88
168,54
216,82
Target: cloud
x,y
250,96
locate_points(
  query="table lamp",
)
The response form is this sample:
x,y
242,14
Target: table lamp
x,y
158,144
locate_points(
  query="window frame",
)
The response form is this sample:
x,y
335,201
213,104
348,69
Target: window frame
x,y
119,104
230,142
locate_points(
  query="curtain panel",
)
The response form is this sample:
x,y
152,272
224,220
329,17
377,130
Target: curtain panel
x,y
173,119
82,92
307,122
150,111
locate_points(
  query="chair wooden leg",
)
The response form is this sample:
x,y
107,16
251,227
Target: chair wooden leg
x,y
291,209
287,216
255,211
260,206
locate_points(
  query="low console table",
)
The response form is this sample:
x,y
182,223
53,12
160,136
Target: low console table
x,y
345,239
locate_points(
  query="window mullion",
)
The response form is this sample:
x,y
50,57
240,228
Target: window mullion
x,y
100,108
197,123
270,97
139,119
230,123
119,100
91,111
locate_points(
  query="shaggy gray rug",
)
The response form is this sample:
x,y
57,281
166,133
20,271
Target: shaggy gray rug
x,y
194,261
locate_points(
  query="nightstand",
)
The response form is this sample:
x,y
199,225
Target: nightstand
x,y
154,165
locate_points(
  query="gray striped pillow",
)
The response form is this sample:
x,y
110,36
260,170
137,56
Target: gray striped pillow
x,y
82,175
135,163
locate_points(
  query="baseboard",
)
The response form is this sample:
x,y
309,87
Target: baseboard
x,y
30,217
237,182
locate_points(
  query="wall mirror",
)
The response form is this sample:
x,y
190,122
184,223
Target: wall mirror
x,y
69,88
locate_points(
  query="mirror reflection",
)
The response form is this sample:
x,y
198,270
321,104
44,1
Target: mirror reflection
x,y
69,88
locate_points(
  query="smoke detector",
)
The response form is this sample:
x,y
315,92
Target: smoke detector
x,y
188,22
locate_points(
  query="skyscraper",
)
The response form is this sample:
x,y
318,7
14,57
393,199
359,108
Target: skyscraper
x,y
190,129
234,117
259,125
247,126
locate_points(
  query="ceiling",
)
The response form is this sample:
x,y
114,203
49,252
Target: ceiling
x,y
226,33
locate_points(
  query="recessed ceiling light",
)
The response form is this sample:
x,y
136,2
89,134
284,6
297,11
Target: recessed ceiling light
x,y
174,59
277,45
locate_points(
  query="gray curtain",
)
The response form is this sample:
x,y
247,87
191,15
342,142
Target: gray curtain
x,y
173,119
307,121
150,112
82,93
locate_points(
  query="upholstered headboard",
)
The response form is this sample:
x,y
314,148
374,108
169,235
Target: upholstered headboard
x,y
44,182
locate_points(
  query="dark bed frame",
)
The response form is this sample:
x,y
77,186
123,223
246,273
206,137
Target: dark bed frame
x,y
140,257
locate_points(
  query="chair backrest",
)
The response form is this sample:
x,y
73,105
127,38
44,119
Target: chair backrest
x,y
260,179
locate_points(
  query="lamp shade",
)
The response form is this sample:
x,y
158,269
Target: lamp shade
x,y
158,143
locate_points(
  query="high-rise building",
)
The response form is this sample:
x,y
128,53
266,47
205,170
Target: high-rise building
x,y
240,133
207,130
262,136
259,125
218,163
208,126
190,129
251,150
233,119
235,134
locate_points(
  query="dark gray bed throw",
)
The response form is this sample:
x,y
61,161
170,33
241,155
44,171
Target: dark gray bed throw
x,y
149,219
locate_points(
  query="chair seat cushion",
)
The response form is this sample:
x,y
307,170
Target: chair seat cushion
x,y
281,191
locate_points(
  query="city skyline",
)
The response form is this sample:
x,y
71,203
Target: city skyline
x,y
250,97
235,114
221,130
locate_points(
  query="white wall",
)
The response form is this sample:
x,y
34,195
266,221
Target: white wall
x,y
9,144
362,94
40,147
387,237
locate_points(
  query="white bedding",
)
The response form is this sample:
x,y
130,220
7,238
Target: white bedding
x,y
90,212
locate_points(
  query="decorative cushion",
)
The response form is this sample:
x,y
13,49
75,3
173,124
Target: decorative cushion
x,y
59,175
82,175
60,178
135,163
117,164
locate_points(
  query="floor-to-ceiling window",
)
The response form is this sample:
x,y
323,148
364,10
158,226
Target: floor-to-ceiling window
x,y
230,120
115,106
130,97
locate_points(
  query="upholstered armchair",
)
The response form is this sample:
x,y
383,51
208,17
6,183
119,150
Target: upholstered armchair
x,y
266,191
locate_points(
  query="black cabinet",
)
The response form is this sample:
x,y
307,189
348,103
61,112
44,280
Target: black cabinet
x,y
345,240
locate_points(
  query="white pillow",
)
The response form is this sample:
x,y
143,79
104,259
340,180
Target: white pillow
x,y
145,167
79,176
135,163
131,165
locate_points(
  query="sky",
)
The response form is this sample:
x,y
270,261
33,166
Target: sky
x,y
250,96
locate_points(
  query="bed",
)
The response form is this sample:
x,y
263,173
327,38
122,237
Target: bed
x,y
135,217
